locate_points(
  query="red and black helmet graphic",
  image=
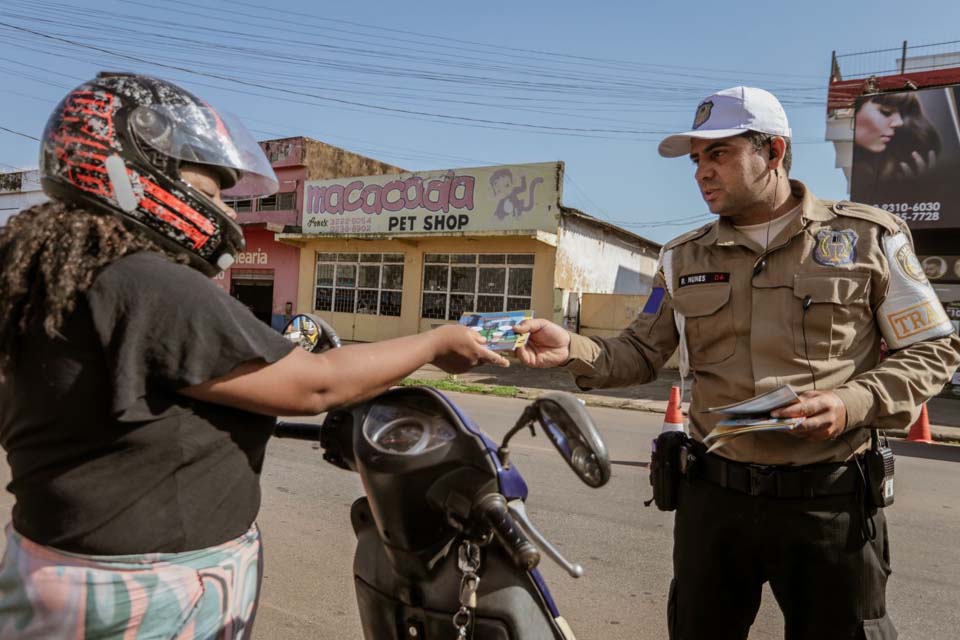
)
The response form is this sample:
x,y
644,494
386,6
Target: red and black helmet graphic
x,y
116,144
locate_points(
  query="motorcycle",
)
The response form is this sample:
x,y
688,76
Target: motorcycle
x,y
445,547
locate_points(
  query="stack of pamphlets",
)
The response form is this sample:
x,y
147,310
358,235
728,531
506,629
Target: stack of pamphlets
x,y
752,416
497,328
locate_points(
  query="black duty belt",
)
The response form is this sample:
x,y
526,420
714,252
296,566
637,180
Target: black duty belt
x,y
809,481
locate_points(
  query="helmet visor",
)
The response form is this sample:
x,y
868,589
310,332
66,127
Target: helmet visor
x,y
203,135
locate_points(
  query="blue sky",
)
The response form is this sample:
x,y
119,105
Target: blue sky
x,y
432,85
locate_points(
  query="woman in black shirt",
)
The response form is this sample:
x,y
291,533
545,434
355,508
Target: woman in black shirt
x,y
136,399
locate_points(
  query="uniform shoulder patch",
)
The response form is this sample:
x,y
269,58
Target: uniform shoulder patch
x,y
688,236
886,220
835,247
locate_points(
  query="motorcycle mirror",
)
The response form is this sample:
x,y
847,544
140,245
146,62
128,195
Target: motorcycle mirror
x,y
570,428
311,333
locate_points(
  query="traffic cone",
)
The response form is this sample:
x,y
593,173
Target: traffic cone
x,y
673,419
920,431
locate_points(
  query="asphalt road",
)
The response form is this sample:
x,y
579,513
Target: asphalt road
x,y
625,547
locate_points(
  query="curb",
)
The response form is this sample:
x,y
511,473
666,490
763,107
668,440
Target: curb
x,y
659,406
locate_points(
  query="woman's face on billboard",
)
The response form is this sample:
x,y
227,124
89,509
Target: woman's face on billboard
x,y
876,124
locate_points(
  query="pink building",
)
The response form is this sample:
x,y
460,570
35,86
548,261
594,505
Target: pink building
x,y
265,275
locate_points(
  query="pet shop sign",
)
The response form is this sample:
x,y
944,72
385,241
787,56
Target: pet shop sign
x,y
522,197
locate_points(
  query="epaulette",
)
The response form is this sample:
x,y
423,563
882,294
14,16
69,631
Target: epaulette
x,y
688,236
883,218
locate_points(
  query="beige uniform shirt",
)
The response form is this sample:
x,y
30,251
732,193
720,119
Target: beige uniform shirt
x,y
747,332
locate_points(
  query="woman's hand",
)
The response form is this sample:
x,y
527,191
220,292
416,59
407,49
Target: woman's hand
x,y
921,164
457,349
547,346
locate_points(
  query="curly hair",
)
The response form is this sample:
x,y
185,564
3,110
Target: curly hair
x,y
50,254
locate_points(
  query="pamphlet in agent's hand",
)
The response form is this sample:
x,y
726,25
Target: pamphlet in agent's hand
x,y
752,416
497,328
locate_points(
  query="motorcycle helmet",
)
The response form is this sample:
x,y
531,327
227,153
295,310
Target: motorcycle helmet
x,y
115,144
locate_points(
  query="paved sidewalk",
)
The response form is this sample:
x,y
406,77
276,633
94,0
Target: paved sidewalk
x,y
652,397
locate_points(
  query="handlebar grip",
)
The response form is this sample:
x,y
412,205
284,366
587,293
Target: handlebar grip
x,y
492,508
297,430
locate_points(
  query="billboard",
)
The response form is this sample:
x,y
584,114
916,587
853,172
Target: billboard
x,y
906,155
522,197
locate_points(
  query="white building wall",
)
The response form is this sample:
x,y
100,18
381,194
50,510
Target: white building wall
x,y
840,133
592,259
18,192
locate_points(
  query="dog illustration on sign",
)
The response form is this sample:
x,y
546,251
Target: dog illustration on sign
x,y
511,199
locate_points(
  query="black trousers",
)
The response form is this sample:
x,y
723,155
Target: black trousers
x,y
830,583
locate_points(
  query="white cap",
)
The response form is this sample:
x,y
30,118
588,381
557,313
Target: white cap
x,y
729,113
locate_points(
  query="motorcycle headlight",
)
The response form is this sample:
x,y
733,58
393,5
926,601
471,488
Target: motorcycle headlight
x,y
398,429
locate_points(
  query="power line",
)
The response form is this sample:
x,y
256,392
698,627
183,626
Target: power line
x,y
240,81
459,41
645,88
20,133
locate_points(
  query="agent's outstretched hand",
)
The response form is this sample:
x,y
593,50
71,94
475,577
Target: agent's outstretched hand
x,y
548,344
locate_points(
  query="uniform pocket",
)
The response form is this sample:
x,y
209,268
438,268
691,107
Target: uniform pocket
x,y
709,321
836,307
879,629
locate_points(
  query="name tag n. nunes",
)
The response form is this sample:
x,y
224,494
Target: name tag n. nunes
x,y
703,278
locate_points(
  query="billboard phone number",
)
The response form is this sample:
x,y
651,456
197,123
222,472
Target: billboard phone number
x,y
913,212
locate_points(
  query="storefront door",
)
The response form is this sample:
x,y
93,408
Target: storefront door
x,y
254,288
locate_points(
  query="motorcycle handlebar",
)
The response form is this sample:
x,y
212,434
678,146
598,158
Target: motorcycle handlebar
x,y
297,430
492,508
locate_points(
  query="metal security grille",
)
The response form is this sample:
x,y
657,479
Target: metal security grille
x,y
367,283
457,283
286,201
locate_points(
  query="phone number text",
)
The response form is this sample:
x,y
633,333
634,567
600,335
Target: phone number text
x,y
913,211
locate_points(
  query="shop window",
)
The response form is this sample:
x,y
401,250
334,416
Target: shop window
x,y
487,304
390,303
367,301
325,275
463,279
239,205
434,306
492,280
436,278
346,276
324,299
369,276
343,300
366,283
450,288
278,202
520,282
392,277
459,304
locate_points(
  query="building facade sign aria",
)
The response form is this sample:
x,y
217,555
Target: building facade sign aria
x,y
521,197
